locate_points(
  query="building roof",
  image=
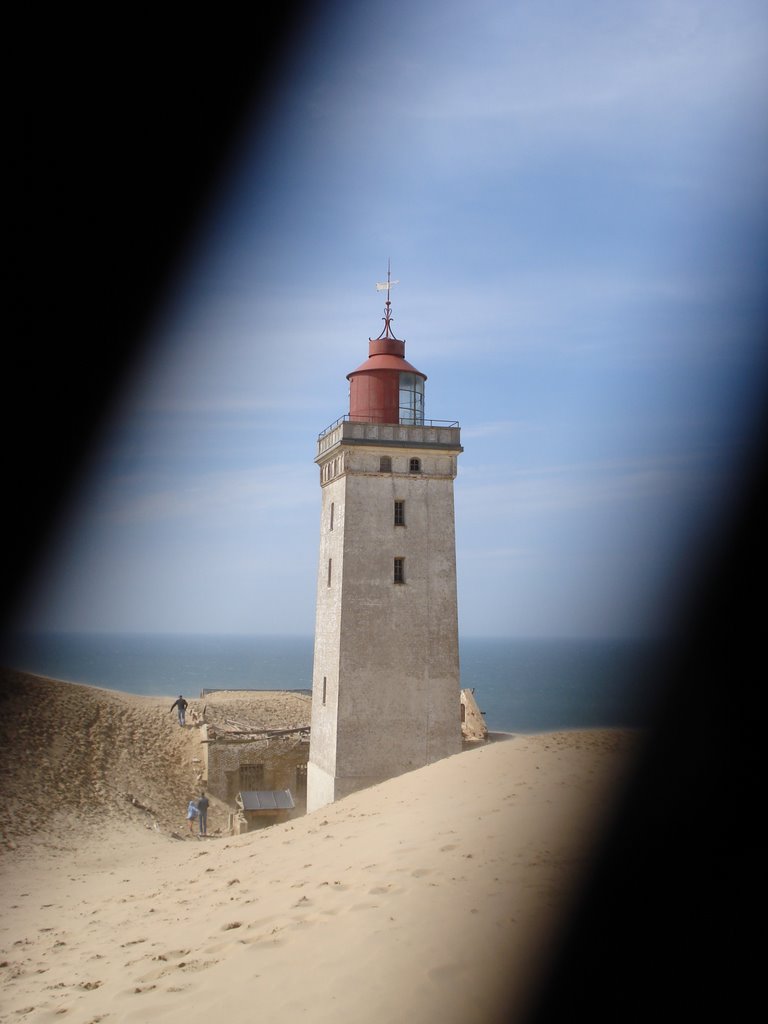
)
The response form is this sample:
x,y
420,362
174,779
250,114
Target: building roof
x,y
238,711
386,362
266,800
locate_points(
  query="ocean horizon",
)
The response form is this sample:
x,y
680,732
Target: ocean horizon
x,y
520,684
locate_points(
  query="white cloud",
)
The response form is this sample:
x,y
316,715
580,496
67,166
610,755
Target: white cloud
x,y
566,488
211,498
496,428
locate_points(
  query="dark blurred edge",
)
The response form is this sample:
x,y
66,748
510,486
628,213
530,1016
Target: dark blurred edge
x,y
668,925
122,132
121,127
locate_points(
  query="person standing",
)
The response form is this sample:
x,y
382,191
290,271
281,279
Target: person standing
x,y
181,704
192,813
202,812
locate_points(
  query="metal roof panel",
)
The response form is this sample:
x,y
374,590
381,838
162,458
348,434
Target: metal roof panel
x,y
266,800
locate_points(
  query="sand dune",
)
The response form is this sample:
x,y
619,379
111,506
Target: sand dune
x,y
78,756
429,897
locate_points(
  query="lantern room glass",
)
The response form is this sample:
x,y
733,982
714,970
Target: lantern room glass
x,y
411,399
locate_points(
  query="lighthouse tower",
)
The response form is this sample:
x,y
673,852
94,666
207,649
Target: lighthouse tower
x,y
385,684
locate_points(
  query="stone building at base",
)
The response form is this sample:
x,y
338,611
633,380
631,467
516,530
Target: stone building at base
x,y
259,808
474,731
255,740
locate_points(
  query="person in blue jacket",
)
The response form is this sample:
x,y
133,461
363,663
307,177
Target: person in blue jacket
x,y
192,813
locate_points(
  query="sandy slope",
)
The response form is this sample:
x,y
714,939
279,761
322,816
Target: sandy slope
x,y
421,899
78,755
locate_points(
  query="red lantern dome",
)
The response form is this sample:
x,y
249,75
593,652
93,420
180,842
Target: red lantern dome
x,y
386,388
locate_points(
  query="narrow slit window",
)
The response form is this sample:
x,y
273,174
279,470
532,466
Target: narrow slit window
x,y
330,564
415,465
325,686
399,575
332,508
399,512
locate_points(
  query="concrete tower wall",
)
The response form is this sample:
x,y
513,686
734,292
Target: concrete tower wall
x,y
321,769
386,684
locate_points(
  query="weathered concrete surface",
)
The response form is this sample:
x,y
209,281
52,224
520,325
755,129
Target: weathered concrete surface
x,y
386,672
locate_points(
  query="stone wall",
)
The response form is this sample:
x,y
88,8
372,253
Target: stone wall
x,y
473,727
386,665
275,762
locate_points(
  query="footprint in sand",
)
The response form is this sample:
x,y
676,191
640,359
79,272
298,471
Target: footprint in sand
x,y
161,972
172,954
271,939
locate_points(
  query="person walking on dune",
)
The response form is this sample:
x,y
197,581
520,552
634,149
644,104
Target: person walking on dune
x,y
202,811
181,704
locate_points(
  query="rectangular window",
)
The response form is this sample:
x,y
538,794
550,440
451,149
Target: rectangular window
x,y
399,512
332,505
399,570
330,563
385,464
251,776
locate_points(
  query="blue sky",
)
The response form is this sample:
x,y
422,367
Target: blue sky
x,y
573,197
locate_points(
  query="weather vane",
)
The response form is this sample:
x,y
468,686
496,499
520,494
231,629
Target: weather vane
x,y
385,287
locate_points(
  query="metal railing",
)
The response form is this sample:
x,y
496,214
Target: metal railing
x,y
401,423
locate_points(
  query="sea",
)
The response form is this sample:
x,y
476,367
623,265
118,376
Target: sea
x,y
520,685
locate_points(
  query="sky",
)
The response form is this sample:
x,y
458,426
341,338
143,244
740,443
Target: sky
x,y
573,199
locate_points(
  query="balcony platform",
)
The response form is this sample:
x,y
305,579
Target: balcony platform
x,y
434,434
